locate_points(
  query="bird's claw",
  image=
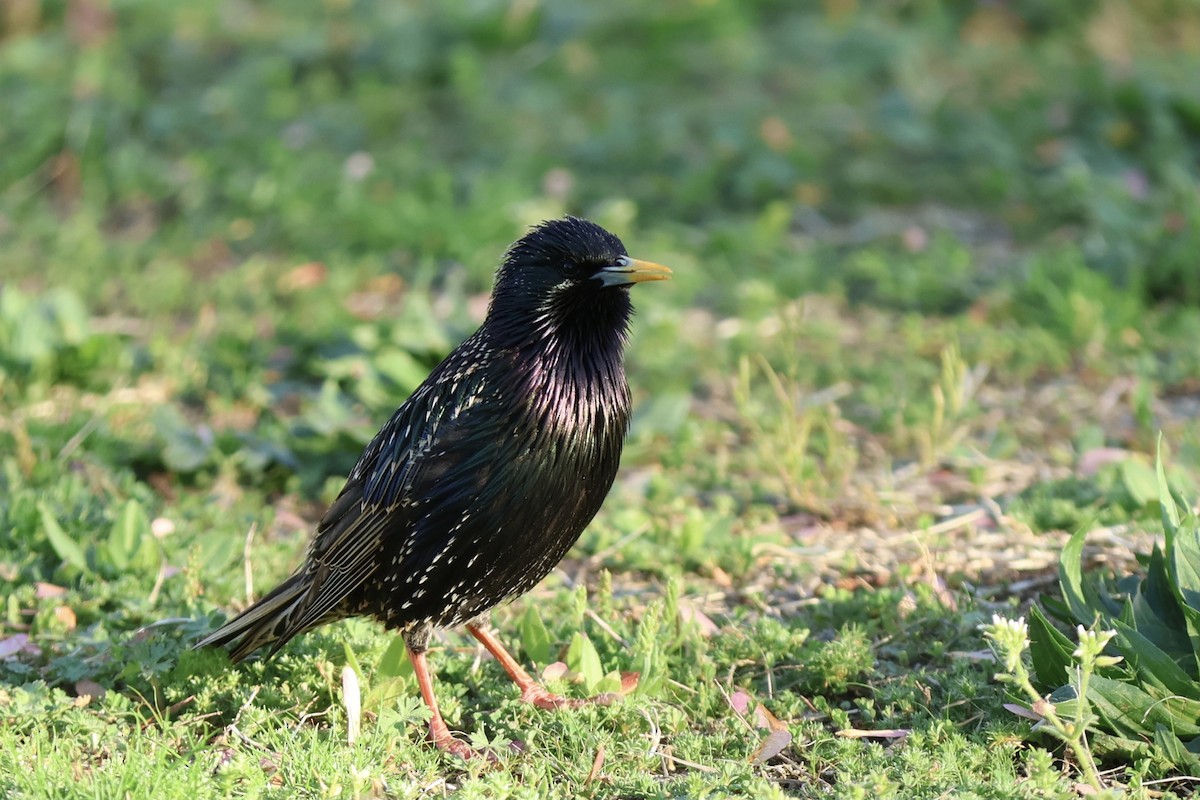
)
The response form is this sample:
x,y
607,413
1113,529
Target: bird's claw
x,y
457,747
547,701
443,740
539,696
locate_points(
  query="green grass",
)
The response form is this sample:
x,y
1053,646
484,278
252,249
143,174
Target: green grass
x,y
930,262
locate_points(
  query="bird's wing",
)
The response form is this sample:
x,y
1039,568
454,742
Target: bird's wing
x,y
429,440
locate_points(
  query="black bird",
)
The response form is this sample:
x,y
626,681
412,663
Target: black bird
x,y
483,479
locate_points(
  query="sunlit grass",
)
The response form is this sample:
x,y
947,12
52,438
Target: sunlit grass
x,y
912,339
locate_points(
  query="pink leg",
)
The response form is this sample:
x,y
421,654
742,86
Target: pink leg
x,y
532,691
439,734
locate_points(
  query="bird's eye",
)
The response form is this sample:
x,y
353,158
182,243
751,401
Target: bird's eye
x,y
570,268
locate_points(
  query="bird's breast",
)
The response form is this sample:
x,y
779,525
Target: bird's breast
x,y
581,410
506,513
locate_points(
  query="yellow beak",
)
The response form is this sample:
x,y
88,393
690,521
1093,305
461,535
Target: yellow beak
x,y
629,270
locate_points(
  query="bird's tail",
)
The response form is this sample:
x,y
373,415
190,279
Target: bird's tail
x,y
271,621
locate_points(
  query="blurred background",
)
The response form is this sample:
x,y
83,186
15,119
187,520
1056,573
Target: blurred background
x,y
235,234
936,269
307,199
166,142
924,252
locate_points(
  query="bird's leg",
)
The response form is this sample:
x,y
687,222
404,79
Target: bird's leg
x,y
439,734
531,691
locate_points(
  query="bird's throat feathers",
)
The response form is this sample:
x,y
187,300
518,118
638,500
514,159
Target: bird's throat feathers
x,y
571,329
567,354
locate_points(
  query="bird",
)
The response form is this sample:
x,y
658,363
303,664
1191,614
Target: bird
x,y
483,479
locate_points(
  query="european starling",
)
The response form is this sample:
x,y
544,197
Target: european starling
x,y
483,479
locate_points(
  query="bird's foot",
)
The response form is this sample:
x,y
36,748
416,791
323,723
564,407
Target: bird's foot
x,y
444,740
456,747
547,700
543,698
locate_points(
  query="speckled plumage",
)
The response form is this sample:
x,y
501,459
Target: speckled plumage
x,y
483,479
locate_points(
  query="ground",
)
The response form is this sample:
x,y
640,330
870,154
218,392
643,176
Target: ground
x,y
934,302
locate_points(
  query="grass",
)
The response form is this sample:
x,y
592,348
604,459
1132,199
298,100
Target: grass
x,y
932,303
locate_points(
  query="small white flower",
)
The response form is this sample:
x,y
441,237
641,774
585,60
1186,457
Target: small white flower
x,y
1009,638
1091,643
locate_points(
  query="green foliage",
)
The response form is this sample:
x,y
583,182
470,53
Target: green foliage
x,y
1080,306
535,640
129,547
938,281
1009,639
387,694
1149,704
583,660
844,661
1117,493
47,339
915,251
348,131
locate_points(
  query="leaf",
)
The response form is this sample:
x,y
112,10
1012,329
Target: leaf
x,y
12,645
1192,618
662,414
1168,635
609,684
1022,711
218,552
903,733
1092,460
778,737
1130,749
1131,710
535,639
1057,608
1070,576
554,672
184,449
1104,605
740,702
127,533
401,368
583,658
772,745
43,590
690,615
1168,747
1087,600
66,617
66,547
393,661
766,719
1151,663
1139,481
1157,593
1050,650
1184,562
1170,511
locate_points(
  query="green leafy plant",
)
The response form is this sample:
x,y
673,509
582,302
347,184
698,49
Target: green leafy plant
x,y
1146,703
387,694
48,339
1009,639
130,544
583,660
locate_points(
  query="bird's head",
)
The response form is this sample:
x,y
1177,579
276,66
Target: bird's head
x,y
567,277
